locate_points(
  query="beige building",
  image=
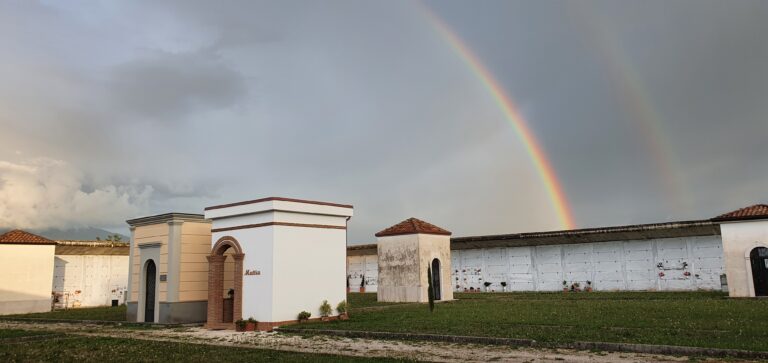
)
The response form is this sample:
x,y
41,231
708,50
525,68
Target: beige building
x,y
26,265
168,275
405,253
745,250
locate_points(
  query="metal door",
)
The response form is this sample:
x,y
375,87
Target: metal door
x,y
759,259
436,278
149,293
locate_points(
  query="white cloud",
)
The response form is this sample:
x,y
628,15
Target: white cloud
x,y
48,193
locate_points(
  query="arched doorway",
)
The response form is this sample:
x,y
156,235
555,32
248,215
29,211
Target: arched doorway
x,y
150,276
224,309
759,260
436,278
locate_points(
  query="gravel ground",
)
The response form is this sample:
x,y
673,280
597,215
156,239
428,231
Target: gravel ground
x,y
421,351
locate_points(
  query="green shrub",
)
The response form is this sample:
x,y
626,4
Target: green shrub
x,y
325,308
430,290
341,308
304,315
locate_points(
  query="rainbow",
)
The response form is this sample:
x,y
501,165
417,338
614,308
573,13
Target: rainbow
x,y
512,115
647,120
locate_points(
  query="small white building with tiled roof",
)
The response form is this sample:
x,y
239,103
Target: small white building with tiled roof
x,y
26,265
413,257
745,250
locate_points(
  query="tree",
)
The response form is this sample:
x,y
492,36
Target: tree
x,y
430,290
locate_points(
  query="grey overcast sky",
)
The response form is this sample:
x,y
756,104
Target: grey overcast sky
x,y
649,111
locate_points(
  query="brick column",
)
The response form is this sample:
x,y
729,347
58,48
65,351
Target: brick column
x,y
215,286
238,303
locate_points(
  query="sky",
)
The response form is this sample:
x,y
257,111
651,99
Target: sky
x,y
648,111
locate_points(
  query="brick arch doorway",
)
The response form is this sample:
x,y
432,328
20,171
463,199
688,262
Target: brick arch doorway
x,y
217,303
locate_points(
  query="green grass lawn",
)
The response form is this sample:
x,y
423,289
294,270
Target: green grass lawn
x,y
99,313
78,349
702,319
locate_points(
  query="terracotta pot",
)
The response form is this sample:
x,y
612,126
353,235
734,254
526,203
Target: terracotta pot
x,y
343,316
362,290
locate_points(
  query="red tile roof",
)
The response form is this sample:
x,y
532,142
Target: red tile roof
x,y
20,237
412,226
757,211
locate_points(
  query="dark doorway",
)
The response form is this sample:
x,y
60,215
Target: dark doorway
x,y
759,259
436,278
149,292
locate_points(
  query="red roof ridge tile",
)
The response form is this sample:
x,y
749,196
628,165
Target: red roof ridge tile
x,y
412,226
18,236
757,211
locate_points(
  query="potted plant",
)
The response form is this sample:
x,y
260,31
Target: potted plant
x,y
565,286
304,316
487,284
341,308
504,286
362,283
251,324
588,288
575,287
240,325
325,310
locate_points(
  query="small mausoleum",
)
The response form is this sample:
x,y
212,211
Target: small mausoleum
x,y
745,250
407,253
168,273
26,267
287,256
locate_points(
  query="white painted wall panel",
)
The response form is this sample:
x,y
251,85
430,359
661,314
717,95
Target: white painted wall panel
x,y
89,280
620,265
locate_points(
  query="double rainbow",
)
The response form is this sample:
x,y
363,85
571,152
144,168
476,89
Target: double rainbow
x,y
512,115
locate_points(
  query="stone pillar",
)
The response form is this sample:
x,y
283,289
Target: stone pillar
x,y
215,286
238,303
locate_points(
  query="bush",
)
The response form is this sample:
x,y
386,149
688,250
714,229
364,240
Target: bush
x,y
341,308
252,320
304,315
325,308
430,290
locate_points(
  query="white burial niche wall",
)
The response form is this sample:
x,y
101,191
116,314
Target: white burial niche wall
x,y
273,258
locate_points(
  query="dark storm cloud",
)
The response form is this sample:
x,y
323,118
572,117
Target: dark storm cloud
x,y
365,103
169,86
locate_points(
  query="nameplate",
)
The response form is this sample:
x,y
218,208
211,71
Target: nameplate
x,y
252,272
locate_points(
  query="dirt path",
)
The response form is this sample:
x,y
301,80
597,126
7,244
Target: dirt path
x,y
423,351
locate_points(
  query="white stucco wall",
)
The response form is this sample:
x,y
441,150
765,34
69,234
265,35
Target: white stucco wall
x,y
90,280
309,267
620,265
258,245
363,266
27,272
739,239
